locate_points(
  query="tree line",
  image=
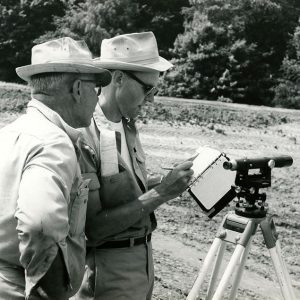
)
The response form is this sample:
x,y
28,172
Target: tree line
x,y
243,51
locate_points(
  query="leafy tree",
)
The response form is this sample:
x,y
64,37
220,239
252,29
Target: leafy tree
x,y
287,92
94,20
231,49
164,18
201,52
21,22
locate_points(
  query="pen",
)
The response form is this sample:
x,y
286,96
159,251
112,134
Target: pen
x,y
168,168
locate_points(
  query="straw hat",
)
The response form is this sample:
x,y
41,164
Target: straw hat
x,y
63,55
134,51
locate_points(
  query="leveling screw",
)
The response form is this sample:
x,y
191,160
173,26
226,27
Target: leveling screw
x,y
222,234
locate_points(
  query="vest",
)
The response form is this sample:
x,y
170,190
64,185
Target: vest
x,y
109,191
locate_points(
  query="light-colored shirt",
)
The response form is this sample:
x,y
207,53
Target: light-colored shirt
x,y
119,127
40,210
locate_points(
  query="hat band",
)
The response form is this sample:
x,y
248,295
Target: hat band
x,y
131,60
72,61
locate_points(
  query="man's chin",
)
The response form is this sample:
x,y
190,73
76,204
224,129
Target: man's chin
x,y
86,124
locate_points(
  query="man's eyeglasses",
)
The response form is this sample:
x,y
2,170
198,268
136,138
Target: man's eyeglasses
x,y
98,87
148,89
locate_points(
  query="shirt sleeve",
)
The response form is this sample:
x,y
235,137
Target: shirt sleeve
x,y
42,207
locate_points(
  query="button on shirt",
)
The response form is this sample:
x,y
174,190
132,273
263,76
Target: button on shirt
x,y
39,174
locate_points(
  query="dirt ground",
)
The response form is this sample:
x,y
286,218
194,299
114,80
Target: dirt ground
x,y
184,233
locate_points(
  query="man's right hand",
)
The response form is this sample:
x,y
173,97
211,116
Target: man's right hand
x,y
176,181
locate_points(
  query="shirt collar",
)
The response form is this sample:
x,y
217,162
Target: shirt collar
x,y
56,119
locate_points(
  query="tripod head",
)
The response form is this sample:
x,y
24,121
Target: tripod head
x,y
251,203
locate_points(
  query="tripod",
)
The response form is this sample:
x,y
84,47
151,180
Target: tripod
x,y
239,228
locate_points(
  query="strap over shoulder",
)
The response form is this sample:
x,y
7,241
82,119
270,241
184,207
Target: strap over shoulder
x,y
108,152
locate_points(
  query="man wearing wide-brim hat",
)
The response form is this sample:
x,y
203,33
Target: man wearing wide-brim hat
x,y
42,194
120,214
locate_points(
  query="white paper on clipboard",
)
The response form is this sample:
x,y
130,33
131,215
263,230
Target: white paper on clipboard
x,y
211,181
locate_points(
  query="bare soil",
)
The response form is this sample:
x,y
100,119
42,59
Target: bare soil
x,y
184,233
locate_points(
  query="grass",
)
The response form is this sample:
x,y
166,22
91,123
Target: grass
x,y
13,97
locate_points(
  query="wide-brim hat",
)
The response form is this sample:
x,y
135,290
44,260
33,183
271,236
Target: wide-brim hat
x,y
134,52
63,55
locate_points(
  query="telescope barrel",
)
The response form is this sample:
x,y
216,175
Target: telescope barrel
x,y
258,163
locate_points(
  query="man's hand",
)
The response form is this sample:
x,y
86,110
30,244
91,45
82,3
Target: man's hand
x,y
176,181
154,180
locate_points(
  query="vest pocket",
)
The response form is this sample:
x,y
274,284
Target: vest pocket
x,y
117,189
78,209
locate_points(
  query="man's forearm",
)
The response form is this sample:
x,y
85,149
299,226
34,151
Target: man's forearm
x,y
111,221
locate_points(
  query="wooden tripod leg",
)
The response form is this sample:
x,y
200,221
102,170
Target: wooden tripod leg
x,y
239,273
236,256
195,291
215,272
273,244
242,241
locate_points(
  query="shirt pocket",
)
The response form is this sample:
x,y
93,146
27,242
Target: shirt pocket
x,y
78,209
94,183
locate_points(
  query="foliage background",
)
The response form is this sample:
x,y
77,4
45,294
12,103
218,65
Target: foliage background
x,y
243,51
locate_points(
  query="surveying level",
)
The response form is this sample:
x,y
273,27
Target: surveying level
x,y
239,228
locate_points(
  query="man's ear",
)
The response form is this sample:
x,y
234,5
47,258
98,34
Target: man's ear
x,y
117,77
76,90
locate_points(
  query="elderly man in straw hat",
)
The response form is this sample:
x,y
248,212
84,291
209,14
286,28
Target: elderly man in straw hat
x,y
120,214
42,194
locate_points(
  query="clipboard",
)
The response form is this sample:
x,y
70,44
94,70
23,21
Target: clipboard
x,y
211,186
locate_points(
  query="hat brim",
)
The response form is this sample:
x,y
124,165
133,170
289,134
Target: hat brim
x,y
161,65
103,76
